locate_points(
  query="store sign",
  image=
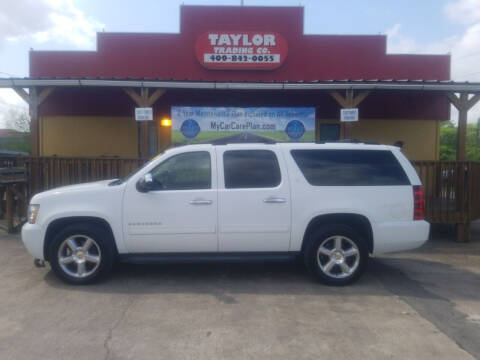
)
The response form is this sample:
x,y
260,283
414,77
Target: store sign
x,y
143,114
247,50
204,124
349,115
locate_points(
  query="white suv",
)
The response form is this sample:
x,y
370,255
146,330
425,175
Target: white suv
x,y
333,204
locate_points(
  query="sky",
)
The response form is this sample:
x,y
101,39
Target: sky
x,y
411,26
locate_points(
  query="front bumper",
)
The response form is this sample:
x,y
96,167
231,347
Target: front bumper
x,y
33,237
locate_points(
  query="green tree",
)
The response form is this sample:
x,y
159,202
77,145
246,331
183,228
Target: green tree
x,y
18,120
473,141
448,141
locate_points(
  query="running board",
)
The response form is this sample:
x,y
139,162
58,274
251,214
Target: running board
x,y
192,258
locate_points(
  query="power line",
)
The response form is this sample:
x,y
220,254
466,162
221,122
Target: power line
x,y
11,75
473,73
467,56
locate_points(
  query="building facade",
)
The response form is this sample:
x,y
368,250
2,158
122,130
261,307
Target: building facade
x,y
240,45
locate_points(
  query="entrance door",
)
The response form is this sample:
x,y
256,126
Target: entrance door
x,y
254,200
182,215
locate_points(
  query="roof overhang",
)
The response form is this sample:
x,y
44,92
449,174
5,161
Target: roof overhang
x,y
418,85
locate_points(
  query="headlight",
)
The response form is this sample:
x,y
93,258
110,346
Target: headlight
x,y
33,213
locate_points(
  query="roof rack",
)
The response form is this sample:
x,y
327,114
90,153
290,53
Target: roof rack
x,y
371,143
348,141
256,139
341,141
242,138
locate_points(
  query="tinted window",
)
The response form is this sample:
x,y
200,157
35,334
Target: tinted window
x,y
329,132
251,169
350,167
184,172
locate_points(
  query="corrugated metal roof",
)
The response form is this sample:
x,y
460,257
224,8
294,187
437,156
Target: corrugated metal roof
x,y
359,84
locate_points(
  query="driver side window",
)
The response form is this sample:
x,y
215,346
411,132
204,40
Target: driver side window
x,y
187,171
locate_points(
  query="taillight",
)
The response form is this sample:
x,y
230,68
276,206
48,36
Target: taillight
x,y
418,203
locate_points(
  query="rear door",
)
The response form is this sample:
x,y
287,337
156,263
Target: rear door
x,y
253,200
367,181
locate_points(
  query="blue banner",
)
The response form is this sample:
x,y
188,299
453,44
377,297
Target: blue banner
x,y
193,124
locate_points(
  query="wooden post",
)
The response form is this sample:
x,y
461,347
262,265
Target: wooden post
x,y
34,126
462,103
2,203
144,100
462,128
464,233
9,208
144,140
348,102
21,200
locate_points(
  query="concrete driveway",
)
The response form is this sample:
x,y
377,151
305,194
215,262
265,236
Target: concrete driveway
x,y
419,305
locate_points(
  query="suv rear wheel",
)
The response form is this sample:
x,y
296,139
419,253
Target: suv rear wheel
x,y
336,254
81,253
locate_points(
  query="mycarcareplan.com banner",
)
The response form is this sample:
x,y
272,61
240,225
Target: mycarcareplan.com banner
x,y
195,124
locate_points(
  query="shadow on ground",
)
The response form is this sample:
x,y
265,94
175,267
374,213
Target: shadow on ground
x,y
274,278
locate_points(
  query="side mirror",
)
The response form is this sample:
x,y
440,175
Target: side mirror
x,y
146,184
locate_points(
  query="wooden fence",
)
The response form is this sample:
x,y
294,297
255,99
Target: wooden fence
x,y
44,173
49,172
452,189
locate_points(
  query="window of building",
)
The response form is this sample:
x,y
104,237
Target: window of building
x,y
187,171
251,169
350,167
329,132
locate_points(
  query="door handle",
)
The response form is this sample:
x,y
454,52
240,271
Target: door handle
x,y
274,200
200,202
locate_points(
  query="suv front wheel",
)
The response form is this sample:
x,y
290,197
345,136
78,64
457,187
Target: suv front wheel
x,y
336,254
81,253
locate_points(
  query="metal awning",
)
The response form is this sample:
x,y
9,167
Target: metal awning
x,y
41,88
428,85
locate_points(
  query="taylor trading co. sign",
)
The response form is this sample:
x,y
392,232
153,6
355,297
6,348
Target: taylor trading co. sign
x,y
193,124
241,50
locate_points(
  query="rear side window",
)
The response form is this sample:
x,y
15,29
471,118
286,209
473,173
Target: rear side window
x,y
350,167
251,169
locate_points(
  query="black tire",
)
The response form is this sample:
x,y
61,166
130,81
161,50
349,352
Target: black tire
x,y
317,262
102,240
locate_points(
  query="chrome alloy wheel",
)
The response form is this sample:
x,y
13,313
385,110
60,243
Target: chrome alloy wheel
x,y
79,256
338,257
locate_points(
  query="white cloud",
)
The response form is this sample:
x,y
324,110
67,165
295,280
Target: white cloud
x,y
9,100
40,21
47,20
398,43
10,97
464,48
463,11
